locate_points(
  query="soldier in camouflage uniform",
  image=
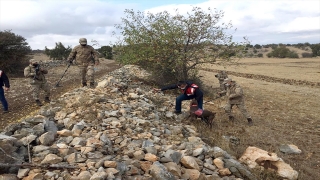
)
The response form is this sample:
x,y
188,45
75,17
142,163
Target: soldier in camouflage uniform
x,y
222,75
86,57
235,97
37,80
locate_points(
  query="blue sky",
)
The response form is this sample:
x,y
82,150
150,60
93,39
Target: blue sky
x,y
44,22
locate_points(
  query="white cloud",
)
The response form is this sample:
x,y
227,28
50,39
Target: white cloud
x,y
44,22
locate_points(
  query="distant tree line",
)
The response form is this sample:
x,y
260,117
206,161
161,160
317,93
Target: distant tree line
x,y
281,50
61,52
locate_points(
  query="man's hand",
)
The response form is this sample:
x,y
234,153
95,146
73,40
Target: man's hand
x,y
156,90
96,63
6,88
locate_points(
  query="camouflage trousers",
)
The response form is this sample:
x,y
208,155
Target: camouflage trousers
x,y
222,86
36,90
86,71
241,106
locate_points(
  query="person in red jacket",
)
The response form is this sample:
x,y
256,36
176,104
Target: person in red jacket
x,y
4,81
188,90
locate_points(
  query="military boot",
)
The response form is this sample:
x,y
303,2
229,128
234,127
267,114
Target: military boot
x,y
46,99
250,123
38,102
84,84
91,84
231,118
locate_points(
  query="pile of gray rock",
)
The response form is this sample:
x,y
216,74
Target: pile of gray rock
x,y
114,131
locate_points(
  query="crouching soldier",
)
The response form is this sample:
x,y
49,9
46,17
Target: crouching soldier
x,y
37,81
235,97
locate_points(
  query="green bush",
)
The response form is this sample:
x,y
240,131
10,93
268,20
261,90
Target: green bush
x,y
257,46
270,55
260,55
60,52
282,52
13,52
106,52
315,49
307,55
292,54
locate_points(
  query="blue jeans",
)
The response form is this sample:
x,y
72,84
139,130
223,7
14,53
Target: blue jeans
x,y
183,97
3,100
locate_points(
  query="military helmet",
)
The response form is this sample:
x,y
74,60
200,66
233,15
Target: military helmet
x,y
83,41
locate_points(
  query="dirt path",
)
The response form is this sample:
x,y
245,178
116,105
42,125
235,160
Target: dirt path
x,y
19,97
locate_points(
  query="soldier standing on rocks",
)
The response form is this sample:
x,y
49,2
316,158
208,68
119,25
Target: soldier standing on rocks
x,y
86,57
4,81
37,80
235,97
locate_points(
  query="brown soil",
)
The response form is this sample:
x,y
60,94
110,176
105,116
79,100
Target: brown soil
x,y
283,113
19,97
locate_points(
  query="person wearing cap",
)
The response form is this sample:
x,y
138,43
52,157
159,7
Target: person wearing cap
x,y
38,81
234,94
188,90
4,81
86,57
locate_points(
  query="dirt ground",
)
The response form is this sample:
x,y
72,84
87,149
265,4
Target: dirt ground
x,y
282,113
19,97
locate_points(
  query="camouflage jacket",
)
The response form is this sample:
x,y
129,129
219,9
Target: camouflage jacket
x,y
235,94
84,55
30,72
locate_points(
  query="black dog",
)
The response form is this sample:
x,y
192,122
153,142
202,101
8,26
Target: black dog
x,y
206,116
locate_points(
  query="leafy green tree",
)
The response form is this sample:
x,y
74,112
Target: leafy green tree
x,y
257,46
249,46
315,49
60,52
282,52
106,52
13,51
171,46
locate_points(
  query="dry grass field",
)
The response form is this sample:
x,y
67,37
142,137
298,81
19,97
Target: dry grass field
x,y
282,113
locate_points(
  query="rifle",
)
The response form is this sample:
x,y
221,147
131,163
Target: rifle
x,y
37,72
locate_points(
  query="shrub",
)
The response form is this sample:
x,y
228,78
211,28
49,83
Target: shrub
x,y
282,52
270,55
260,55
307,55
13,52
292,54
257,46
60,52
315,49
106,52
